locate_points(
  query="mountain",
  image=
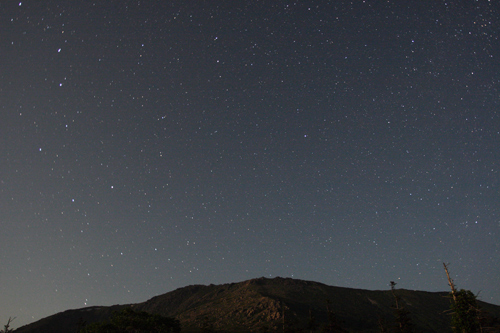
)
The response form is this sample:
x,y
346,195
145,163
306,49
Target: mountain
x,y
260,304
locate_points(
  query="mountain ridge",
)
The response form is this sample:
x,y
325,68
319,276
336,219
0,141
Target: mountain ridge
x,y
260,304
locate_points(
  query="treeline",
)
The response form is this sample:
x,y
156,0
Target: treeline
x,y
129,320
465,317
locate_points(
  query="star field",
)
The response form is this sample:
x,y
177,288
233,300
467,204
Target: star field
x,y
150,145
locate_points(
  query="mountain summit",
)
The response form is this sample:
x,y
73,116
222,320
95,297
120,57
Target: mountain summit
x,y
277,304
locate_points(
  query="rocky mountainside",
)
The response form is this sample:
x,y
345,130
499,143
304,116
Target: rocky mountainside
x,y
263,304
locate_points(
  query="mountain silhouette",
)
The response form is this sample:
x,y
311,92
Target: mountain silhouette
x,y
276,304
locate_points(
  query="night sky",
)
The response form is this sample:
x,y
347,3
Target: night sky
x,y
151,145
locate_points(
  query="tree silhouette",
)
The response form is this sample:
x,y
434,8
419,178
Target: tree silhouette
x,y
129,320
382,325
403,321
334,324
6,327
465,313
312,325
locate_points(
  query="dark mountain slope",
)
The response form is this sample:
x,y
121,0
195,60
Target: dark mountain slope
x,y
259,304
70,321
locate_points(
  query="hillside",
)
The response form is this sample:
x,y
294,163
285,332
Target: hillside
x,y
259,305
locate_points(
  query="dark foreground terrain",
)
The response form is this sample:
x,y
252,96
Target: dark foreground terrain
x,y
262,304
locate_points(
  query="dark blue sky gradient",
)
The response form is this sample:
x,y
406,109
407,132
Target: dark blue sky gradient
x,y
150,145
